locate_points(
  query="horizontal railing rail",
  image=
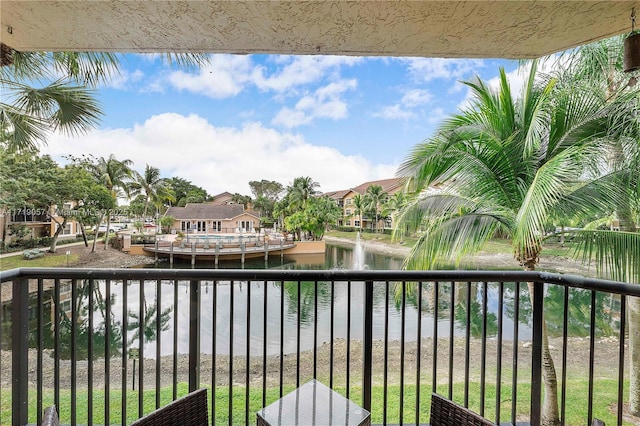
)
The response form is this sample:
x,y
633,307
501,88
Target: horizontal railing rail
x,y
109,345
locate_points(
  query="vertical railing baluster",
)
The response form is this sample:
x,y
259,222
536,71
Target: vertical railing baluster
x,y
499,350
385,391
565,333
214,353
123,368
265,343
230,378
247,354
141,323
298,309
536,352
56,343
331,326
158,339
467,343
452,322
483,350
281,337
74,349
39,336
20,352
514,367
175,340
90,305
107,350
434,369
418,351
348,337
592,349
194,335
315,329
367,343
621,338
403,319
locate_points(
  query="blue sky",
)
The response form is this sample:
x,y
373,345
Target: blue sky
x,y
340,120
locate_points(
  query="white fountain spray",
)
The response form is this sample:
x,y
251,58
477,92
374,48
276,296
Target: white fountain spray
x,y
358,254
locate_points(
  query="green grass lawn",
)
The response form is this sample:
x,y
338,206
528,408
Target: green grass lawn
x,y
49,260
576,403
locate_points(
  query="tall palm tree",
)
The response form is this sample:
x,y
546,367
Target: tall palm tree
x,y
116,175
359,208
505,165
301,190
152,186
375,197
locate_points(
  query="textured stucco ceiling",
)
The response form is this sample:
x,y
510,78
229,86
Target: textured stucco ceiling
x,y
454,28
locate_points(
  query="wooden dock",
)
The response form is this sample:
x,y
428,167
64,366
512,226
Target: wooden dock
x,y
217,250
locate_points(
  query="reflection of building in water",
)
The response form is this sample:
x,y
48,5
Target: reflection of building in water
x,y
48,312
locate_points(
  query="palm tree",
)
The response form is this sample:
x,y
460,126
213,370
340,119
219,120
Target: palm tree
x,y
359,208
153,187
505,165
617,254
375,197
116,176
393,207
65,100
301,190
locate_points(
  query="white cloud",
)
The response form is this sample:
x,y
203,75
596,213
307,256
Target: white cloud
x,y
395,112
416,97
403,110
222,158
298,71
223,77
428,69
124,79
436,116
325,102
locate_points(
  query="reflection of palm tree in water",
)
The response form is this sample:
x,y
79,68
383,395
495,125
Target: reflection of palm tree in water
x,y
150,321
307,297
98,333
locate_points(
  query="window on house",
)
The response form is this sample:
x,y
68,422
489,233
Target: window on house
x,y
348,223
348,211
349,201
356,223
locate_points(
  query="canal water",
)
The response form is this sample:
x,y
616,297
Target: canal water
x,y
332,301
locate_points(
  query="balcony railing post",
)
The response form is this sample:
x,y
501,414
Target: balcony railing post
x,y
194,335
367,358
536,353
20,352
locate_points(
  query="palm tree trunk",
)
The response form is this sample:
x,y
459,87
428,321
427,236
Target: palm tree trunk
x,y
634,353
550,415
84,234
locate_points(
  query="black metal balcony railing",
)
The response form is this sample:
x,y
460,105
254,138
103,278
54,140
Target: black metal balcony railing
x,y
385,339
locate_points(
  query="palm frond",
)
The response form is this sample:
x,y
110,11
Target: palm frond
x,y
616,254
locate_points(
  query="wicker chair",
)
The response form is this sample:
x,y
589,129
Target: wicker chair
x,y
50,417
448,413
190,410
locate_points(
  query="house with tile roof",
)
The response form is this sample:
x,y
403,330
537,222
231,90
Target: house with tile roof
x,y
344,200
209,218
